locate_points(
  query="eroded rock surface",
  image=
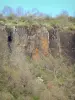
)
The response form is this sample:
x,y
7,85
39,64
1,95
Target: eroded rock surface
x,y
32,41
20,41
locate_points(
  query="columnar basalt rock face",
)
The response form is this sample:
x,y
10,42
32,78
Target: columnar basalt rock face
x,y
44,41
67,40
54,42
27,41
19,41
3,46
33,40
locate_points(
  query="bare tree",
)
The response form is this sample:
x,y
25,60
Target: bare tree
x,y
35,11
19,11
7,10
1,15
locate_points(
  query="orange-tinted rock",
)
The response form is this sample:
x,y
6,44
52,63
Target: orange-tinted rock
x,y
35,55
49,85
44,45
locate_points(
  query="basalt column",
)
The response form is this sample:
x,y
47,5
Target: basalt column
x,y
3,46
54,42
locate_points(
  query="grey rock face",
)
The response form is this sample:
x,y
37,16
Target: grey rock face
x,y
31,40
3,46
54,42
18,42
67,40
26,41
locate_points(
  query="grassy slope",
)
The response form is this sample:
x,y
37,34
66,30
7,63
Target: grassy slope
x,y
48,79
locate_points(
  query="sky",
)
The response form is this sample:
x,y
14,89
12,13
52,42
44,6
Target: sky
x,y
50,7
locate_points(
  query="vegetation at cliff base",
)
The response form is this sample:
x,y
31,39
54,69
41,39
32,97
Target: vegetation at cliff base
x,y
48,79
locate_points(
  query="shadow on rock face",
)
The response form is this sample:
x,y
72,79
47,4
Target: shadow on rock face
x,y
67,40
73,46
9,39
33,41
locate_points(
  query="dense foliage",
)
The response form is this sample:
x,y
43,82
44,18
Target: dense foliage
x,y
48,79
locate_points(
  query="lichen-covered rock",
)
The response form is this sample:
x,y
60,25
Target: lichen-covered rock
x,y
3,46
67,40
54,42
20,41
31,40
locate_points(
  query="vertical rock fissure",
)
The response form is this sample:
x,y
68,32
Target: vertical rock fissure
x,y
10,38
58,42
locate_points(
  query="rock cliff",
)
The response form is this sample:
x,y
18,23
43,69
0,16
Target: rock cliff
x,y
18,42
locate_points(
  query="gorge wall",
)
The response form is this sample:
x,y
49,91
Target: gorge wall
x,y
20,41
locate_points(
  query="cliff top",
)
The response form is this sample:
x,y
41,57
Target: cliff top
x,y
62,21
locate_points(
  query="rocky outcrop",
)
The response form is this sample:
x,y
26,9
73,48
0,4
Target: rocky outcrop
x,y
62,42
54,42
3,45
27,41
21,41
34,40
67,40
